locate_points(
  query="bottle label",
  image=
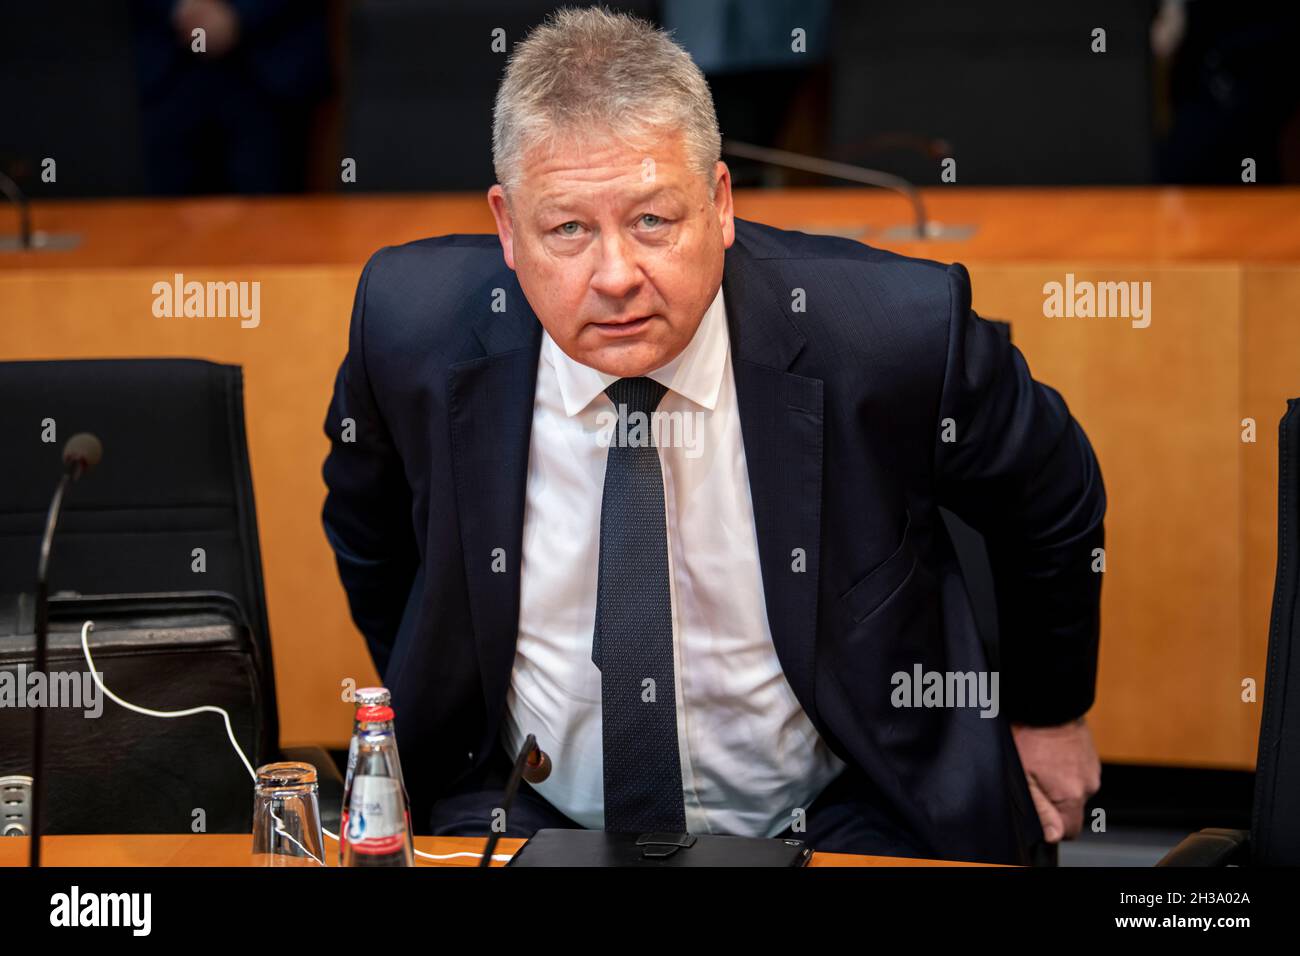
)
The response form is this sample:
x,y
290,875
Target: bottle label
x,y
376,818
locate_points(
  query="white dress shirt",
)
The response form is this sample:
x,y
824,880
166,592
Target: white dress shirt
x,y
749,754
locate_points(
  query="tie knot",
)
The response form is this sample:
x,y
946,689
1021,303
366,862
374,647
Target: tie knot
x,y
635,395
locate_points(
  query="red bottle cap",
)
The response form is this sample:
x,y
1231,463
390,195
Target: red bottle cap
x,y
372,715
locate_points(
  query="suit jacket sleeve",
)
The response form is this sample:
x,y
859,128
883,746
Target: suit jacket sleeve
x,y
367,513
1021,471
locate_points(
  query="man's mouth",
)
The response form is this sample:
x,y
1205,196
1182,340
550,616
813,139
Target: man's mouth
x,y
628,326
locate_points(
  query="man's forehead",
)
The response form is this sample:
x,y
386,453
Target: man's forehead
x,y
596,158
568,195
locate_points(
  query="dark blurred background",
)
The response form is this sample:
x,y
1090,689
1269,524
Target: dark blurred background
x,y
1012,89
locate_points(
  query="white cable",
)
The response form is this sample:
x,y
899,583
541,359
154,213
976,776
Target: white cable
x,y
230,732
449,856
436,856
89,626
205,709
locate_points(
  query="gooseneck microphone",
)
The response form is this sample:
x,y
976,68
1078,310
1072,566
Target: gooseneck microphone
x,y
532,764
836,170
16,196
922,226
80,454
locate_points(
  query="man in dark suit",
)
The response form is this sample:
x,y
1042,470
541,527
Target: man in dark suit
x,y
660,486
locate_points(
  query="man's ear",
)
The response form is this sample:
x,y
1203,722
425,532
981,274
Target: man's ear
x,y
722,203
496,197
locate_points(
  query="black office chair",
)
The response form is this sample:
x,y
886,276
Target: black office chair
x,y
1274,835
174,479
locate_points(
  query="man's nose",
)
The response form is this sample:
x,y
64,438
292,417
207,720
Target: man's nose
x,y
617,273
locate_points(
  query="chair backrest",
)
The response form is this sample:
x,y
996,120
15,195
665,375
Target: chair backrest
x,y
931,70
168,509
1275,826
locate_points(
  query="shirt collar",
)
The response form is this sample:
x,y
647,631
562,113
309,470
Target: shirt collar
x,y
695,374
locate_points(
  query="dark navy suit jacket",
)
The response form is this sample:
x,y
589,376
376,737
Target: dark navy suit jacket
x,y
845,409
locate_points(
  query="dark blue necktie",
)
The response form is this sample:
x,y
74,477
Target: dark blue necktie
x,y
633,642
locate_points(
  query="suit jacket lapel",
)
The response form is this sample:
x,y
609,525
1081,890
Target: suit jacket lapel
x,y
490,406
781,425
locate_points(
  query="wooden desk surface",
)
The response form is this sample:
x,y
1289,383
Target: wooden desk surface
x,y
234,849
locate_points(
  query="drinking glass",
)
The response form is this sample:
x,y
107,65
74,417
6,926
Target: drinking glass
x,y
286,816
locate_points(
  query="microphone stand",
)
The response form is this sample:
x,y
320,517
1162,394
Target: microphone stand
x,y
516,774
922,226
30,239
19,199
70,474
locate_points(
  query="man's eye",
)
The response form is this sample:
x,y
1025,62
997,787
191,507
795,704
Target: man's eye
x,y
651,220
564,230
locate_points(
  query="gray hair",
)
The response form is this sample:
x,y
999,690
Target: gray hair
x,y
591,70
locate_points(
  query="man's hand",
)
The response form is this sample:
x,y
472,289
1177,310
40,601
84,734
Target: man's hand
x,y
1063,771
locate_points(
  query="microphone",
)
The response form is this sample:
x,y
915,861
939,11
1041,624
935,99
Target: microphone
x,y
82,453
922,226
538,766
532,764
29,239
16,196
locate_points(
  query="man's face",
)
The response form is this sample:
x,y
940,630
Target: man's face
x,y
618,249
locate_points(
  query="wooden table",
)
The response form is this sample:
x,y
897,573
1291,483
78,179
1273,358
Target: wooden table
x,y
235,849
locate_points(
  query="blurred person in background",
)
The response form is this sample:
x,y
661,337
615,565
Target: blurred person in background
x,y
228,91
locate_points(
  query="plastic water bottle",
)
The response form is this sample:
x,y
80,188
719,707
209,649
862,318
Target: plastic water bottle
x,y
376,821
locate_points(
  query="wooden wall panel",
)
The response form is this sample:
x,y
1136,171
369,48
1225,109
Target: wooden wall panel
x,y
1270,376
1191,526
1160,407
